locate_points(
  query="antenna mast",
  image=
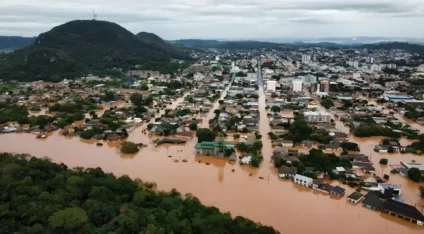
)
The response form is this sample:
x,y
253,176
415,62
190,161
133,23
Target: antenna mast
x,y
94,15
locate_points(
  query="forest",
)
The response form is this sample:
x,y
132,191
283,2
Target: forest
x,y
38,196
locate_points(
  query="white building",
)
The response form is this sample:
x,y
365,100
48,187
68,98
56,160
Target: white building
x,y
271,85
297,85
370,60
317,117
217,58
354,64
306,59
303,180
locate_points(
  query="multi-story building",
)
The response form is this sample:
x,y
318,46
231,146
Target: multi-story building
x,y
271,85
306,59
317,117
297,85
324,86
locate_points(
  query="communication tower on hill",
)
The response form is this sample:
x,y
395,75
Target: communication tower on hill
x,y
94,15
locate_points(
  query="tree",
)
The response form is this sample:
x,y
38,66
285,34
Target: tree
x,y
68,219
422,191
384,161
192,126
205,134
350,146
236,136
414,174
275,109
228,152
128,147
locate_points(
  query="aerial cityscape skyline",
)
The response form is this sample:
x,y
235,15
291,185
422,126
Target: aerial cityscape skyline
x,y
209,19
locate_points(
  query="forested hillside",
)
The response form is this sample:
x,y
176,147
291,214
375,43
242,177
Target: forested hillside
x,y
38,196
84,46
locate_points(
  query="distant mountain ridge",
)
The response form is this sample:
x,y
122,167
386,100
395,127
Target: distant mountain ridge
x,y
84,46
234,45
13,42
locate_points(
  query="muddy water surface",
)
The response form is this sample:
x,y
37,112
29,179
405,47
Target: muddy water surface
x,y
288,207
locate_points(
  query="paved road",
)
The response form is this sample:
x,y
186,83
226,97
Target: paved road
x,y
259,74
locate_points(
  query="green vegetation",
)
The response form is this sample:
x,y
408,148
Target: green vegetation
x,y
422,192
326,102
85,46
299,130
414,174
128,147
322,162
205,134
11,112
39,196
254,150
386,177
193,126
373,129
349,146
275,109
272,136
35,108
236,136
8,86
384,161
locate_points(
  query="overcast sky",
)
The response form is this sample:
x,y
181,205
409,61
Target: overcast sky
x,y
179,19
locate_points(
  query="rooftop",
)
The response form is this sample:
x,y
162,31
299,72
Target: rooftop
x,y
356,196
403,209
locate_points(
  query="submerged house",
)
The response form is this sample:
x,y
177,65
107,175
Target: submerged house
x,y
372,201
212,148
403,211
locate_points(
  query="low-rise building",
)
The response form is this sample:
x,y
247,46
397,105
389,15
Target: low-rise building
x,y
303,180
286,172
355,197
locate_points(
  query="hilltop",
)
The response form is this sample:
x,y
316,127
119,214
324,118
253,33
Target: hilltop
x,y
84,46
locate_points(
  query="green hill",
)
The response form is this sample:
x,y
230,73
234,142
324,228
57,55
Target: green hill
x,y
158,43
410,47
80,47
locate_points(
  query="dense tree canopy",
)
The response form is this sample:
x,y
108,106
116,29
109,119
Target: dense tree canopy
x,y
205,134
414,174
38,196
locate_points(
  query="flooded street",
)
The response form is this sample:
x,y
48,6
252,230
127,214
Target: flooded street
x,y
287,207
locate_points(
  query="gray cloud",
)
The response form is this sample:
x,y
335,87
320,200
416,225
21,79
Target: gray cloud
x,y
174,19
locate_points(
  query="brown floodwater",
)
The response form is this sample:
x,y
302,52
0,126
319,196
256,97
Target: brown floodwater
x,y
280,203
